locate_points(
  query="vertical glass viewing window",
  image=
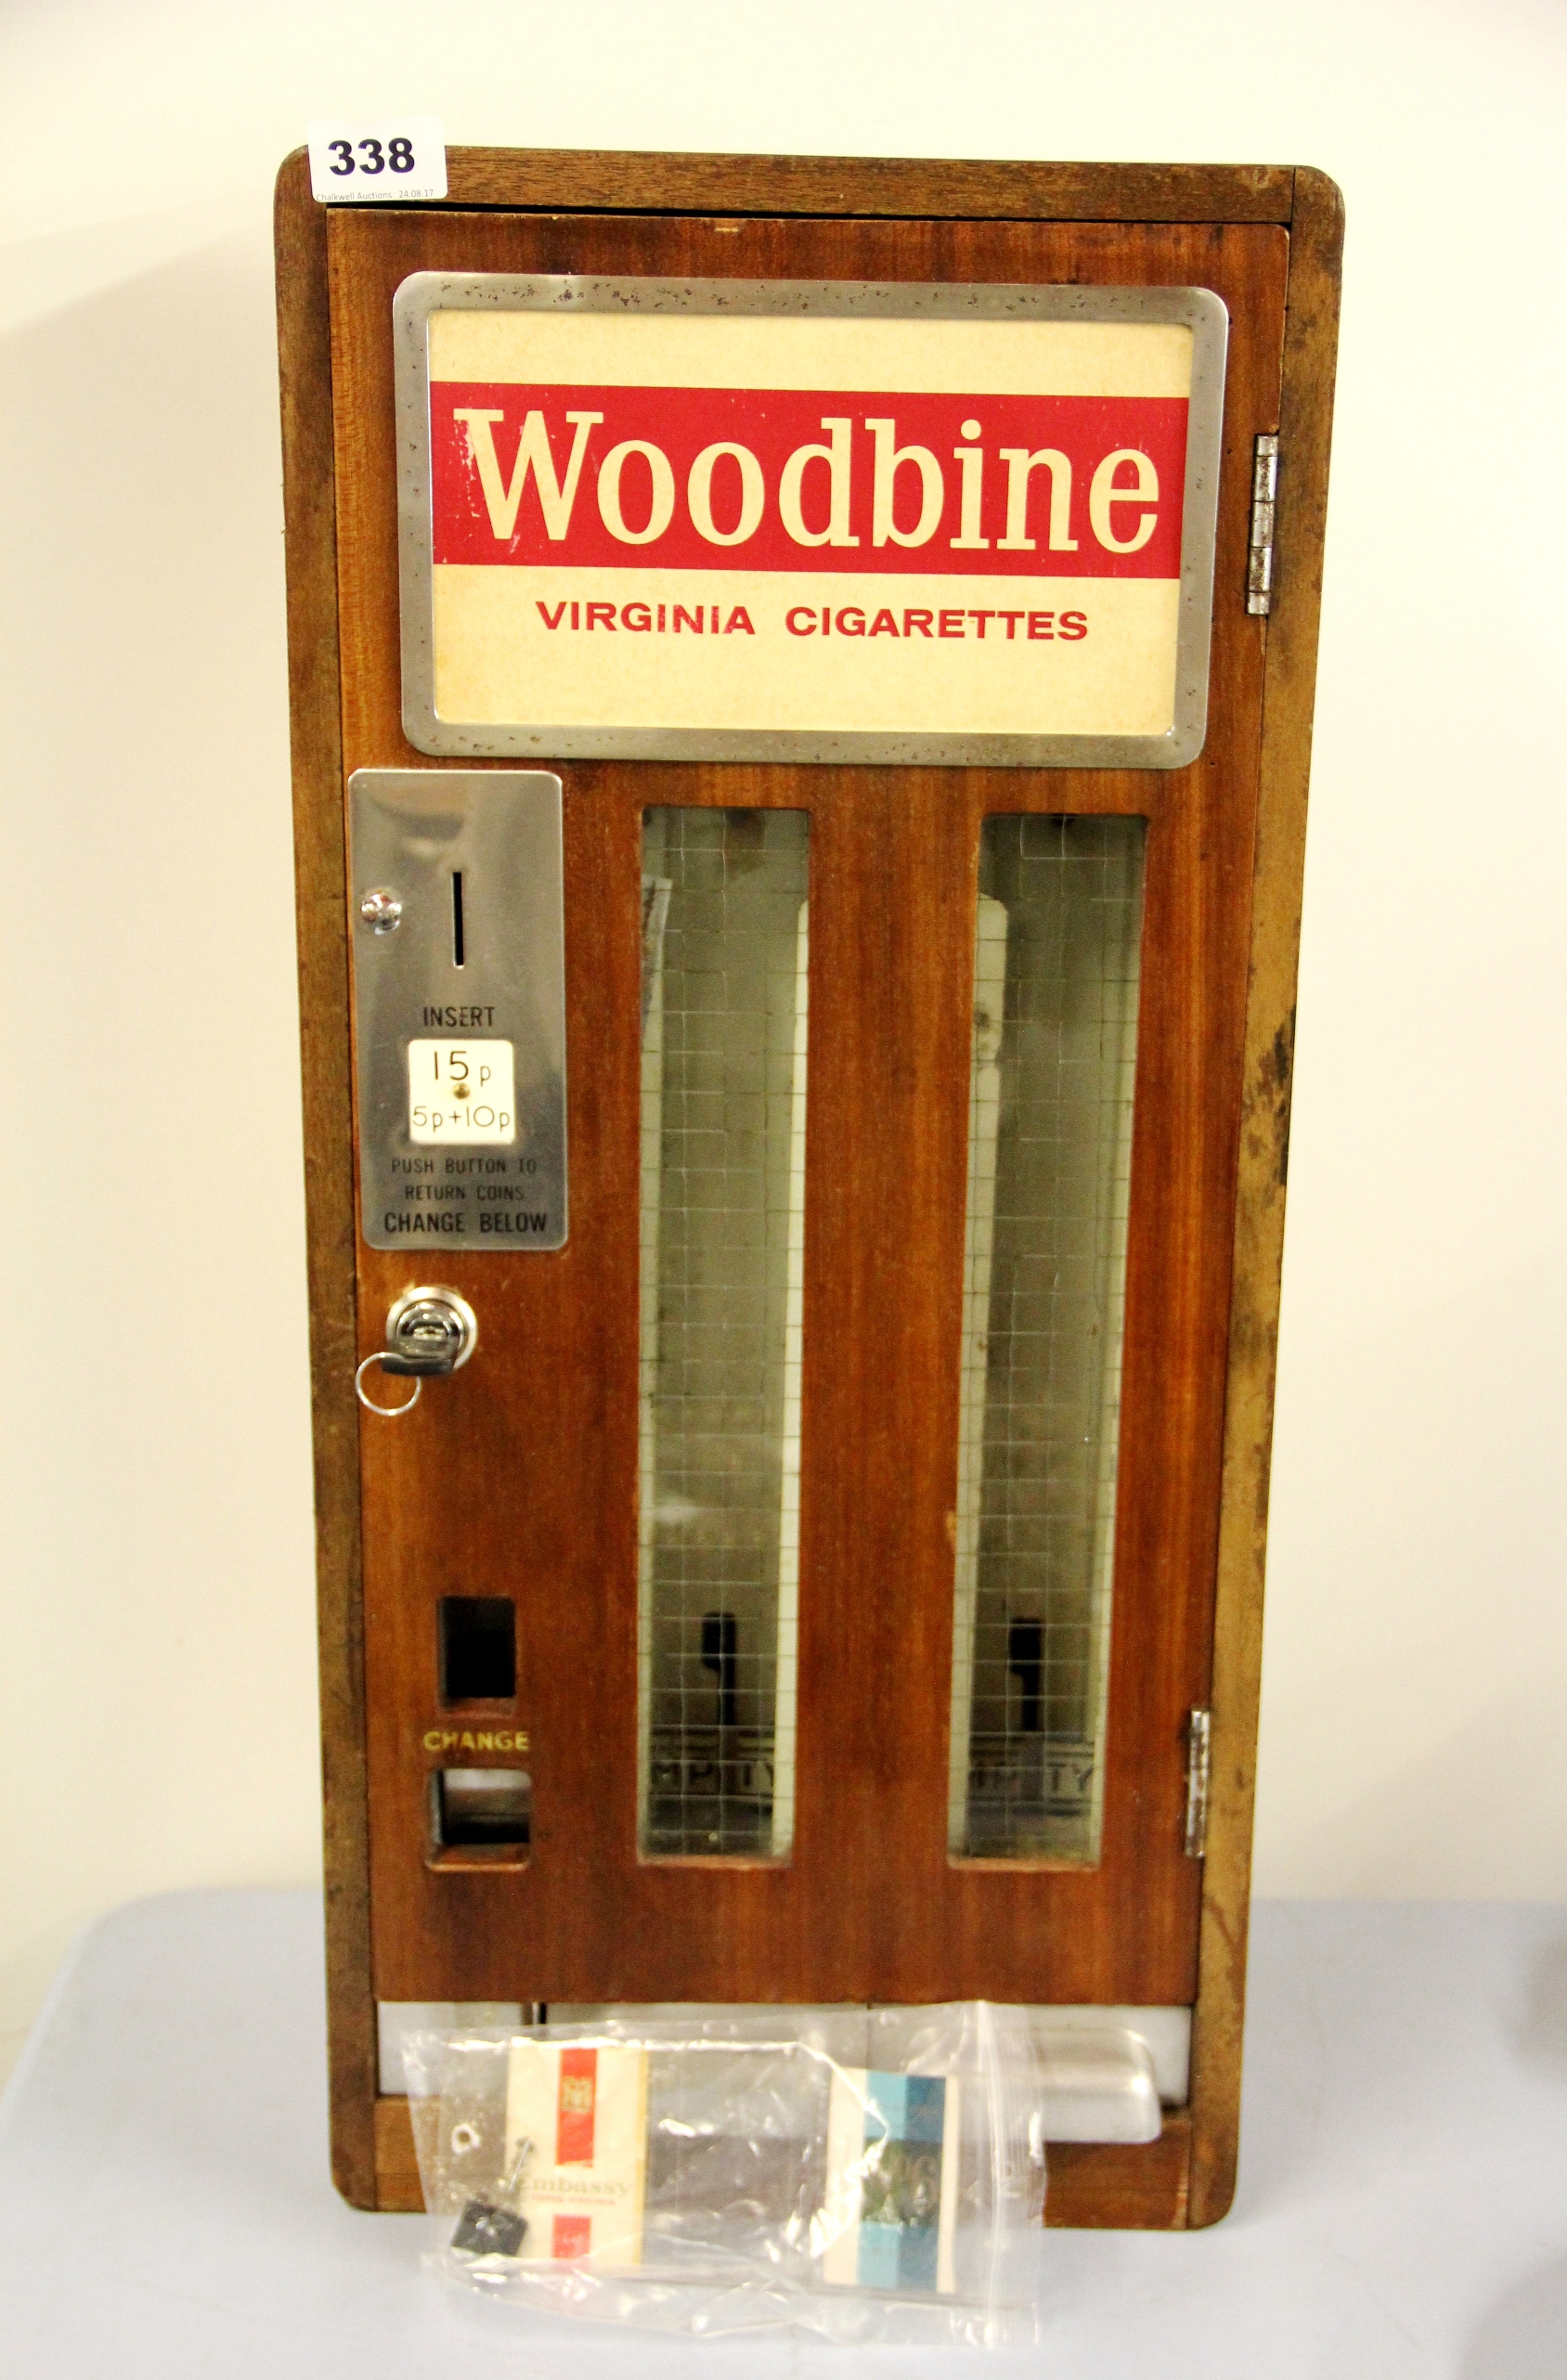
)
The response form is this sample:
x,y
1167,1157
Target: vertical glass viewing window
x,y
1056,982
724,978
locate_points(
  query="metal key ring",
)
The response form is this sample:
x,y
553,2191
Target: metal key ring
x,y
389,1412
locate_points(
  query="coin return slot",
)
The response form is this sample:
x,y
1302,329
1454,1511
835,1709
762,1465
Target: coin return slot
x,y
482,1808
478,1648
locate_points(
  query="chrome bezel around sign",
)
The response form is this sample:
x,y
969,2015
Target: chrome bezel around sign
x,y
409,828
1201,311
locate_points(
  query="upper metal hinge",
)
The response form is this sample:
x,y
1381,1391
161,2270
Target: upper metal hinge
x,y
1259,556
1198,1735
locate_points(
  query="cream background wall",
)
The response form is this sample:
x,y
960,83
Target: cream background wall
x,y
156,1659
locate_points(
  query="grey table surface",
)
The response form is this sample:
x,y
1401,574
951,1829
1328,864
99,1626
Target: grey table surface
x,y
164,2206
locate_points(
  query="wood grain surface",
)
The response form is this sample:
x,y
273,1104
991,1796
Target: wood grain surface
x,y
315,710
869,1906
656,181
1305,432
519,1476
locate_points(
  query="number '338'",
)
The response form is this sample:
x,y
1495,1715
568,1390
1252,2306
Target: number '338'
x,y
374,158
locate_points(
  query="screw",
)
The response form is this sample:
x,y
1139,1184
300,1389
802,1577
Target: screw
x,y
382,910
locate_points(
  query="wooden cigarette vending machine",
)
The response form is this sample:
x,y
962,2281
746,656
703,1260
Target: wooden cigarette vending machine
x,y
801,689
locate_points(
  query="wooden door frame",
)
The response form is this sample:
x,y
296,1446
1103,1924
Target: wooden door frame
x,y
1188,2178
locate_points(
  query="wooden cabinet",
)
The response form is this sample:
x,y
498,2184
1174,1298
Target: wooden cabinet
x,y
797,1805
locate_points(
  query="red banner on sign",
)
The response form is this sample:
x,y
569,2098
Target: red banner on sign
x,y
579,2096
807,480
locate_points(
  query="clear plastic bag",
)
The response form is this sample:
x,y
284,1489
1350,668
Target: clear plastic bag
x,y
863,2173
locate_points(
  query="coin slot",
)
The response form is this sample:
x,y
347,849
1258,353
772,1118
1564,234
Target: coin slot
x,y
477,1648
458,956
482,1808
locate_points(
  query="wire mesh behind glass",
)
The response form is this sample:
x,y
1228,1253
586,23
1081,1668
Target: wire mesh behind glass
x,y
724,1012
1050,1141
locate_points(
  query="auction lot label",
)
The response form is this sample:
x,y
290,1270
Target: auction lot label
x,y
773,521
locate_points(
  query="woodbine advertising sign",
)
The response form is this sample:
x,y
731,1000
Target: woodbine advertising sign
x,y
733,519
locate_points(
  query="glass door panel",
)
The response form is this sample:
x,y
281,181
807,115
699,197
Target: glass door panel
x,y
1056,985
724,1015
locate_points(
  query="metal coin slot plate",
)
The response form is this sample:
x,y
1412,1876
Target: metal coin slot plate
x,y
480,1011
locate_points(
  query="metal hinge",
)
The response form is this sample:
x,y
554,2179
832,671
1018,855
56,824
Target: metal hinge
x,y
1259,558
1198,1732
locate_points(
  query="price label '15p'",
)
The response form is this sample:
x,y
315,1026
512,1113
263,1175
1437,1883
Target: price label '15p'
x,y
461,1090
389,158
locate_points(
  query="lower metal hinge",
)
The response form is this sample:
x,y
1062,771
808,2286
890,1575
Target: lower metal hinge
x,y
1199,1733
1264,492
